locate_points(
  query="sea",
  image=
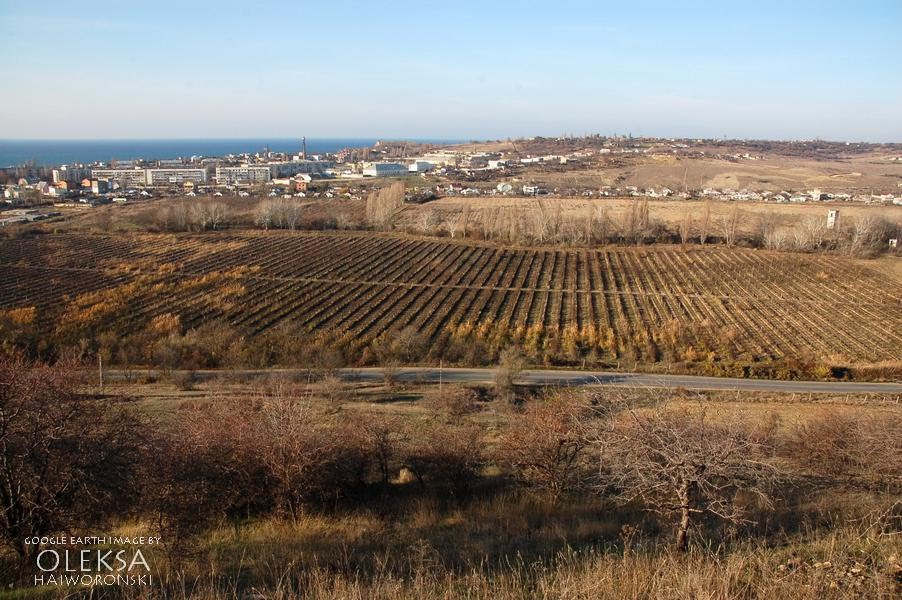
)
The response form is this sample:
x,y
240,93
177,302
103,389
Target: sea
x,y
58,152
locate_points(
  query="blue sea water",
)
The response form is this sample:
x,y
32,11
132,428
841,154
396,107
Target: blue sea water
x,y
57,152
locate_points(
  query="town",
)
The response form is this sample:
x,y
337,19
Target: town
x,y
518,169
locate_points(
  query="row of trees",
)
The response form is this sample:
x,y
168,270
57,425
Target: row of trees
x,y
384,206
547,223
192,216
72,460
270,213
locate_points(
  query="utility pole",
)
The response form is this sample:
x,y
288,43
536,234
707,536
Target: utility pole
x,y
100,369
440,365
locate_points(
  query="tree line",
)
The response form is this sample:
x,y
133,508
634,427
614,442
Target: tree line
x,y
547,223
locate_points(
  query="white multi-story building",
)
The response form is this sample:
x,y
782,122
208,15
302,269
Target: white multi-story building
x,y
124,177
266,172
70,174
385,169
169,176
245,174
146,177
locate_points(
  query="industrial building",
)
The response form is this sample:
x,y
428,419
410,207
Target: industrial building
x,y
295,167
385,169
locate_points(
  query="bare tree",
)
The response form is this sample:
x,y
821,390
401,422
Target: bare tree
x,y
443,455
604,224
867,231
395,348
685,462
65,459
451,222
631,221
728,225
296,449
686,227
541,227
845,445
544,445
213,468
428,220
768,223
280,214
306,458
705,226
644,216
383,206
775,239
264,217
815,232
379,435
291,213
207,215
456,400
464,223
174,217
511,363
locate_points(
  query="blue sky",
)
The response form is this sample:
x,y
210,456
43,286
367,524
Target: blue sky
x,y
480,70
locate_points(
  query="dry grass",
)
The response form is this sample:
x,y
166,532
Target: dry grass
x,y
420,556
824,539
669,212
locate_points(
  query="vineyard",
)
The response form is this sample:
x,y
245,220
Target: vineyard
x,y
662,303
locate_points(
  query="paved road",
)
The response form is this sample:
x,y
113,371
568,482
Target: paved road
x,y
552,377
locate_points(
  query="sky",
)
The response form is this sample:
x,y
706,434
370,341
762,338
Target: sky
x,y
451,70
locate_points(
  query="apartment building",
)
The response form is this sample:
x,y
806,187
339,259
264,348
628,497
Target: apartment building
x,y
175,176
244,174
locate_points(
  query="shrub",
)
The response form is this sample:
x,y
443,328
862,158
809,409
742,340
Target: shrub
x,y
456,400
686,463
510,364
837,444
448,457
67,459
543,447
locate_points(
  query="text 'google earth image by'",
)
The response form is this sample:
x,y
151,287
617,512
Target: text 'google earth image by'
x,y
479,300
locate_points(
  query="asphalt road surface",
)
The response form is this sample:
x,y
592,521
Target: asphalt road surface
x,y
562,377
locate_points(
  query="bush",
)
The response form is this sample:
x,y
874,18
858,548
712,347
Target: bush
x,y
456,400
67,459
447,457
543,446
213,469
184,380
510,364
838,445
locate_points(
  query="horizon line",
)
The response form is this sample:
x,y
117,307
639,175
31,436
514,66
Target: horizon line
x,y
390,138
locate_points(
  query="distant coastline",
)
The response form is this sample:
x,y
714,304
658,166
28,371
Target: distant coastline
x,y
56,152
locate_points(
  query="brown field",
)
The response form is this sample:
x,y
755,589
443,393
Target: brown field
x,y
668,212
641,305
773,173
772,170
